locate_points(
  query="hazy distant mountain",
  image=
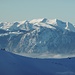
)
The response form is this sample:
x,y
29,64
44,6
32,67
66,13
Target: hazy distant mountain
x,y
38,36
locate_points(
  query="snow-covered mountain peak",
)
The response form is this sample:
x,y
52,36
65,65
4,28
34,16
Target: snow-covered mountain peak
x,y
62,25
44,22
70,26
20,22
38,36
56,22
38,20
53,23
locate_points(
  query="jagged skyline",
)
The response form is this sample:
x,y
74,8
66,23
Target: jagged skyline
x,y
38,36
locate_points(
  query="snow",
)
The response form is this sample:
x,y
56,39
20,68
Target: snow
x,y
44,22
70,27
50,23
38,20
43,47
53,21
11,64
39,36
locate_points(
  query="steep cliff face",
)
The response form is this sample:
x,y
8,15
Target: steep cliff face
x,y
38,36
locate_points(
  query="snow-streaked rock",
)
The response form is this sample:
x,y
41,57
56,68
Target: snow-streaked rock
x,y
38,36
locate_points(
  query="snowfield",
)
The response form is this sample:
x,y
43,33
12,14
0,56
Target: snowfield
x,y
12,64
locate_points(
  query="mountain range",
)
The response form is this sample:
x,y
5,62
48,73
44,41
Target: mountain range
x,y
38,36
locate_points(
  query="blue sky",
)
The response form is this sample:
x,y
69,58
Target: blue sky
x,y
16,10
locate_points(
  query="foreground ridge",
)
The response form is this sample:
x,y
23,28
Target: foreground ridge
x,y
11,64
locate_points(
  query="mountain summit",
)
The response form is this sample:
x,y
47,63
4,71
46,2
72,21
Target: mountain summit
x,y
38,36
